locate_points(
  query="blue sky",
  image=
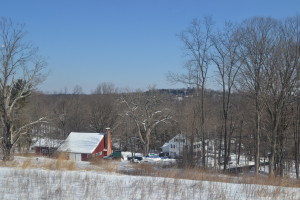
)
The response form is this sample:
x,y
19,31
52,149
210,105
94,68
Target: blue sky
x,y
131,43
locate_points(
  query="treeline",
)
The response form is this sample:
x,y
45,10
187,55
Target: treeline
x,y
258,59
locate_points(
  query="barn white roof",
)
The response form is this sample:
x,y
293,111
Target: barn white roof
x,y
81,142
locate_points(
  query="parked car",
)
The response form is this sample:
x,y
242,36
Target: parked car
x,y
138,158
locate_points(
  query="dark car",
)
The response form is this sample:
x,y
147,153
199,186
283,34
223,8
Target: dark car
x,y
139,158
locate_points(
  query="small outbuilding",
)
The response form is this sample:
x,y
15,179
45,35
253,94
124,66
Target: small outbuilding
x,y
83,146
46,146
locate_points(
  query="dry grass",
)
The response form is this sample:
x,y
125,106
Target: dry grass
x,y
13,163
148,169
177,173
26,164
105,165
27,155
210,175
269,180
60,163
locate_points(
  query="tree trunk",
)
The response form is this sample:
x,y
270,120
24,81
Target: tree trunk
x,y
225,144
296,155
7,150
297,138
220,150
272,163
202,127
240,144
147,142
6,142
229,141
257,138
281,154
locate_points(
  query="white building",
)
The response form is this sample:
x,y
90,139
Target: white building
x,y
178,145
166,148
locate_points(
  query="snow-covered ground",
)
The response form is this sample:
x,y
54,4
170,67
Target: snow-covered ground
x,y
38,183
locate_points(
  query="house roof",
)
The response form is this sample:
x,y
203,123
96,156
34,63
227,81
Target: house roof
x,y
48,142
167,144
81,142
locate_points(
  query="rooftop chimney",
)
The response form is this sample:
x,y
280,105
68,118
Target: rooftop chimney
x,y
107,141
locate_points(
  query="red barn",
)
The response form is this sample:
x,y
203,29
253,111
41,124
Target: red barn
x,y
82,146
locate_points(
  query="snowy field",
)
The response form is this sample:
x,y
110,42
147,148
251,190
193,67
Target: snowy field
x,y
38,183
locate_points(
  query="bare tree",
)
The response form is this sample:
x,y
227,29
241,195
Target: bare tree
x,y
280,83
256,44
105,88
296,131
296,119
102,112
75,118
228,63
146,110
21,70
197,43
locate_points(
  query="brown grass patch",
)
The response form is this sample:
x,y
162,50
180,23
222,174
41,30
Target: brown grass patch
x,y
146,169
32,162
105,165
27,155
269,180
27,163
60,165
61,156
65,165
13,163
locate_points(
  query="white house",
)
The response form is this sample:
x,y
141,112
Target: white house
x,y
166,148
178,144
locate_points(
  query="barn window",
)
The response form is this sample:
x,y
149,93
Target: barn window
x,y
45,151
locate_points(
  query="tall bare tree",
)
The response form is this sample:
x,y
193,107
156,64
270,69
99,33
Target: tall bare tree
x,y
280,83
256,43
228,63
21,70
197,44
